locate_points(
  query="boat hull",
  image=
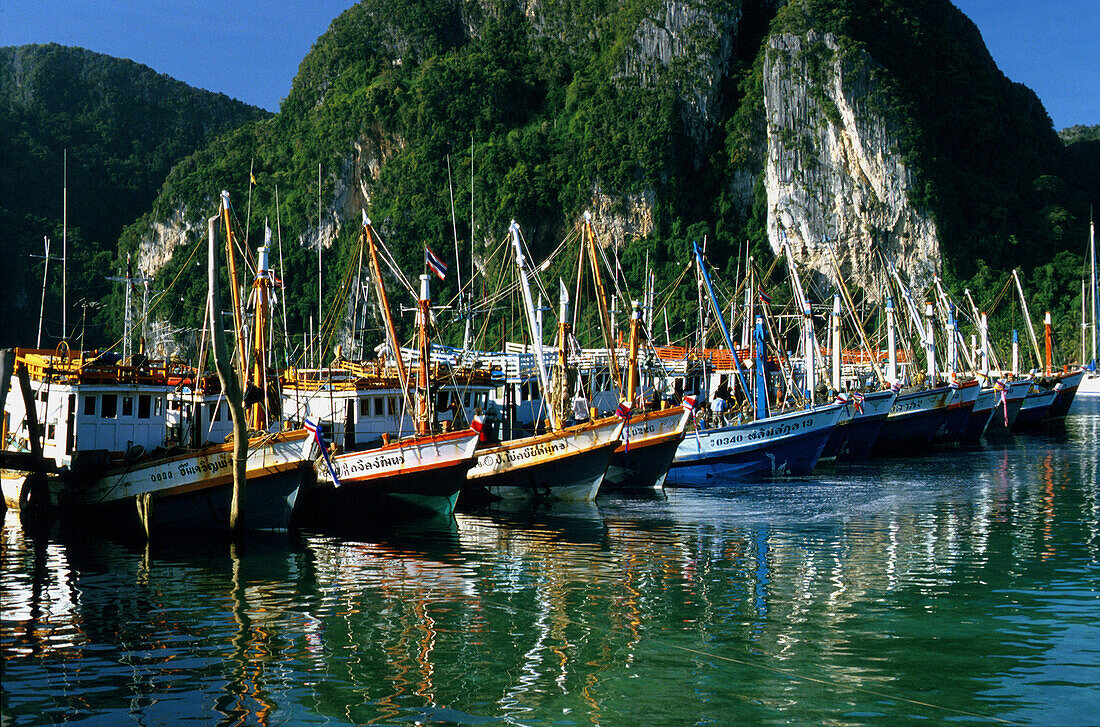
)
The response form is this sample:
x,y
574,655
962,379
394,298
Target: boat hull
x,y
1090,385
781,445
195,490
566,465
861,432
1034,410
1068,386
980,416
913,420
1007,409
959,408
641,462
415,476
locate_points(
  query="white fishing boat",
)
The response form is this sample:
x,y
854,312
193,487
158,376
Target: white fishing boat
x,y
562,463
133,440
421,473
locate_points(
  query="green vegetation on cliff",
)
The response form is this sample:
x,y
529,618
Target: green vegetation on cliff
x,y
124,127
545,108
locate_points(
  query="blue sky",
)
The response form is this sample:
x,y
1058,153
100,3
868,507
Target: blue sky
x,y
250,49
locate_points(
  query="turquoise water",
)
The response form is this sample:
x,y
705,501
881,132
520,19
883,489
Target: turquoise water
x,y
959,587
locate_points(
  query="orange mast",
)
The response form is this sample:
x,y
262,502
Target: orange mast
x,y
632,371
1048,342
601,301
384,304
423,401
238,327
257,418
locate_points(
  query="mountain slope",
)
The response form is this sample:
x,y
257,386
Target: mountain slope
x,y
654,114
124,127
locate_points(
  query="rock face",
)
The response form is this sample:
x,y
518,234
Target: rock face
x,y
687,43
620,219
833,167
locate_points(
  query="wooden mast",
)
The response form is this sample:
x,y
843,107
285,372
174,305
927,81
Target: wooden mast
x,y
238,327
423,401
384,304
230,383
632,369
601,301
536,333
257,418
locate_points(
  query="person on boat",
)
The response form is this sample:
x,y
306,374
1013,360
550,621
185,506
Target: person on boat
x,y
718,410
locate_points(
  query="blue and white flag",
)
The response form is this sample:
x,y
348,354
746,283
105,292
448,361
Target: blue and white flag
x,y
435,263
314,428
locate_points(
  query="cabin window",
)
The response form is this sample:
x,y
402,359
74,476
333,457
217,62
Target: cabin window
x,y
364,407
143,406
109,409
156,406
127,406
379,407
394,406
51,430
466,400
89,406
43,395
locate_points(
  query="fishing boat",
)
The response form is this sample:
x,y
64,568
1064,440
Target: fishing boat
x,y
960,407
855,436
1035,408
1012,394
784,443
562,462
650,438
122,433
650,433
914,417
421,473
980,415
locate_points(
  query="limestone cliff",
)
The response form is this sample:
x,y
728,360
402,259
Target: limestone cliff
x,y
833,168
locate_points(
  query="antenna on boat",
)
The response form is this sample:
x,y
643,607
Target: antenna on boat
x,y
65,248
42,305
320,317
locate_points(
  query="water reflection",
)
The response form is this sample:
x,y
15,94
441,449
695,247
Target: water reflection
x,y
954,585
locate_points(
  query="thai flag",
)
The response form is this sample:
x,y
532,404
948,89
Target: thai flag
x,y
435,263
764,297
953,385
895,387
688,403
315,429
623,410
478,425
858,399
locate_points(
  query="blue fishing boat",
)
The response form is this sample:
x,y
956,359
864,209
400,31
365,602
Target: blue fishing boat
x,y
964,397
980,415
870,412
913,420
788,443
783,444
1034,409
